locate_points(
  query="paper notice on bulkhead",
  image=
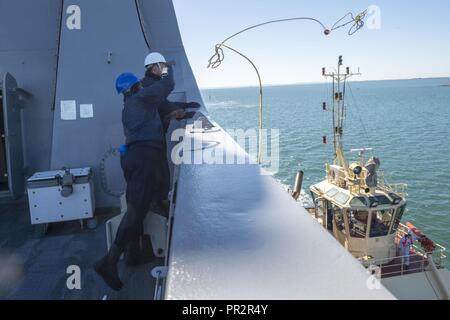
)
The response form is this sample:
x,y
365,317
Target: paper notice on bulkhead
x,y
68,110
86,111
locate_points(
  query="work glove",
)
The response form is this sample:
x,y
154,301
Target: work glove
x,y
177,114
123,149
187,115
192,105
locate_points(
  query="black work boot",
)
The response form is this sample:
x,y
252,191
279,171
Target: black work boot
x,y
106,268
135,255
161,208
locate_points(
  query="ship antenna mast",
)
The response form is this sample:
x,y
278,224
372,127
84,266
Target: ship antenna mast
x,y
338,108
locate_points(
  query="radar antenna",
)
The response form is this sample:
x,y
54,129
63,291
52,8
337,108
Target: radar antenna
x,y
338,108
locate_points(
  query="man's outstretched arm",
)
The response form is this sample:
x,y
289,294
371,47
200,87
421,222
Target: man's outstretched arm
x,y
159,90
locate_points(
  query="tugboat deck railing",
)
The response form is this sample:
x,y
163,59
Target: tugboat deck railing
x,y
418,259
439,254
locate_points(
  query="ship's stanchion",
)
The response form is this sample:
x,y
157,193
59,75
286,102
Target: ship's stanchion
x,y
159,273
440,284
401,267
298,185
423,263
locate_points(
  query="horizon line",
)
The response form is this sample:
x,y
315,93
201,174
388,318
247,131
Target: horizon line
x,y
315,82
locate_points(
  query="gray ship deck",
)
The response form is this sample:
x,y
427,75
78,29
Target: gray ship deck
x,y
35,265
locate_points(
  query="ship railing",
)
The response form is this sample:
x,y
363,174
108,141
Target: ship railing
x,y
336,177
341,180
438,254
398,188
418,259
395,266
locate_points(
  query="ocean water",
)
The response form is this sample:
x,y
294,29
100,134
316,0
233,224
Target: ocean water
x,y
406,122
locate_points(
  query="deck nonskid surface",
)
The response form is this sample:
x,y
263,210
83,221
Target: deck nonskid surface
x,y
35,266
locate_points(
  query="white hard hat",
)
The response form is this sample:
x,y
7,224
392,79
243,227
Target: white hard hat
x,y
154,57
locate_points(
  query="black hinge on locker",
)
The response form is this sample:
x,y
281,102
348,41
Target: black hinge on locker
x,y
66,182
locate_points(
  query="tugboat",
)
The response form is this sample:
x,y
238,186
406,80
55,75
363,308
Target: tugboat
x,y
360,209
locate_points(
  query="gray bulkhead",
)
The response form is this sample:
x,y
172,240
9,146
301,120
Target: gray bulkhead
x,y
72,51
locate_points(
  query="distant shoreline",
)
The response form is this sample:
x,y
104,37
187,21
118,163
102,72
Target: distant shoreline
x,y
309,83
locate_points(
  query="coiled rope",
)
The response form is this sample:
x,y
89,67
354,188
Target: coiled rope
x,y
217,58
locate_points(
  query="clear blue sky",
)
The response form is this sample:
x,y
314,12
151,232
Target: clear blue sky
x,y
413,40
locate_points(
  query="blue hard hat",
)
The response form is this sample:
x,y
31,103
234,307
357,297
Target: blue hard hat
x,y
125,81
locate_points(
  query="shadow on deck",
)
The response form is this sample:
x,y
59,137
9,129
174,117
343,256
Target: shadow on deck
x,y
33,266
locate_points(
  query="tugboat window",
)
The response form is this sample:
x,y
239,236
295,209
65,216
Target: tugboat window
x,y
339,218
395,198
382,200
341,197
357,221
319,204
358,202
398,218
381,220
332,192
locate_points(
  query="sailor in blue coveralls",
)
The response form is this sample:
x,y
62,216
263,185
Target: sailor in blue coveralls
x,y
155,70
405,244
141,164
